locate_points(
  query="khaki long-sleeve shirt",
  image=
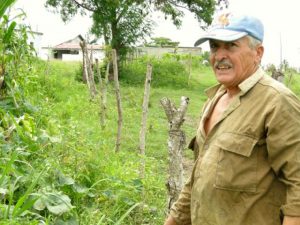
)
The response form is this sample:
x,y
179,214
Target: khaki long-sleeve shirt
x,y
248,168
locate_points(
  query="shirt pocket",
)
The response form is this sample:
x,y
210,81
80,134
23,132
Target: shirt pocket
x,y
237,163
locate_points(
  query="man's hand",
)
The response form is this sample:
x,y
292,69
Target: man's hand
x,y
289,220
171,221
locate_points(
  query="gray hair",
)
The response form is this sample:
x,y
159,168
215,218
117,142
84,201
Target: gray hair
x,y
253,42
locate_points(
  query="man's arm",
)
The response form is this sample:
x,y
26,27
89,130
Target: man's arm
x,y
180,211
171,221
288,220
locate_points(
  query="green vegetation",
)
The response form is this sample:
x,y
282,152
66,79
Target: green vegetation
x,y
162,42
66,170
58,166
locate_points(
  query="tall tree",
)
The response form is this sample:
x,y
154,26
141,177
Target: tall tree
x,y
124,22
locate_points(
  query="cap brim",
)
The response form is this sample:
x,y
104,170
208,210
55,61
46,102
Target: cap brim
x,y
221,35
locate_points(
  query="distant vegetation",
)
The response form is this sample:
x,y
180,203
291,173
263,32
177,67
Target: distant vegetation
x,y
162,42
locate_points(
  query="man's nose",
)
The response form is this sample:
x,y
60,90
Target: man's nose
x,y
221,53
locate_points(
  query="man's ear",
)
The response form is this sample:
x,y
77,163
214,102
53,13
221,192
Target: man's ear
x,y
259,53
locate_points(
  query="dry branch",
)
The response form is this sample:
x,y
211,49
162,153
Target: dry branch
x,y
176,144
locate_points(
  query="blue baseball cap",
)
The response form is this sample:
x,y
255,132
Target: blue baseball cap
x,y
230,28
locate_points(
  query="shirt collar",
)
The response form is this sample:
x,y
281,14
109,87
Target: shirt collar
x,y
245,86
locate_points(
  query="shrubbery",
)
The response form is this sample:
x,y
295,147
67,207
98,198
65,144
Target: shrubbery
x,y
167,71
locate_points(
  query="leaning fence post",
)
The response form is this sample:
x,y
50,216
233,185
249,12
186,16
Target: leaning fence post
x,y
176,144
118,97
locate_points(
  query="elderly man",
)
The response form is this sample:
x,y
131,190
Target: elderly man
x,y
248,168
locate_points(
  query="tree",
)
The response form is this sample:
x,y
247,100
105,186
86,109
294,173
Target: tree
x,y
124,22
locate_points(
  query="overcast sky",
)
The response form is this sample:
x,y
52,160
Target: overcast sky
x,y
280,18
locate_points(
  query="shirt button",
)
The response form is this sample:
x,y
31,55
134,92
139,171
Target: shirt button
x,y
206,147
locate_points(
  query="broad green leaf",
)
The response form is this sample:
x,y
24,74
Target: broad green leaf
x,y
58,209
4,4
80,189
71,221
40,204
9,32
59,204
21,205
64,180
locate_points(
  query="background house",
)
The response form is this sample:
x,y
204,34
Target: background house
x,y
71,50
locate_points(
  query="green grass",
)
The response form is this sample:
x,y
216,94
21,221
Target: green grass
x,y
85,152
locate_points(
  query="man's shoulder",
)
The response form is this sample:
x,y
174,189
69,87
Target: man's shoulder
x,y
276,92
273,85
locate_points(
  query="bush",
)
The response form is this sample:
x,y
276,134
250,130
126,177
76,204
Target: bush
x,y
167,72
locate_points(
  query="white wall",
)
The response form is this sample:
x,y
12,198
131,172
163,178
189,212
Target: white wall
x,y
97,54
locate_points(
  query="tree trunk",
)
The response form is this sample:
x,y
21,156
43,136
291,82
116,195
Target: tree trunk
x,y
176,144
118,97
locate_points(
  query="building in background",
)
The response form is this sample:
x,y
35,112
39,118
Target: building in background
x,y
71,51
35,40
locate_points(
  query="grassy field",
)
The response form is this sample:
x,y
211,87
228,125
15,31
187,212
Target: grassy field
x,y
84,152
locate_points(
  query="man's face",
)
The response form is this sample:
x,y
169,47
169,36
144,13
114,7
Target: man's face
x,y
234,61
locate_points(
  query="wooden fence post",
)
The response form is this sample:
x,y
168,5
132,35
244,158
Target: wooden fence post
x,y
144,119
104,97
176,144
189,68
89,61
87,70
145,109
118,97
84,66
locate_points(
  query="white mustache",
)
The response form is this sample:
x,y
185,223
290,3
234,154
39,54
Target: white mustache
x,y
222,63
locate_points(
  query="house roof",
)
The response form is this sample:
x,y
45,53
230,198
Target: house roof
x,y
73,44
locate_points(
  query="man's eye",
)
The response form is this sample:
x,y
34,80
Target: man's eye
x,y
213,46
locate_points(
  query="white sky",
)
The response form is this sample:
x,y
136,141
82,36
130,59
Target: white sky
x,y
280,18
